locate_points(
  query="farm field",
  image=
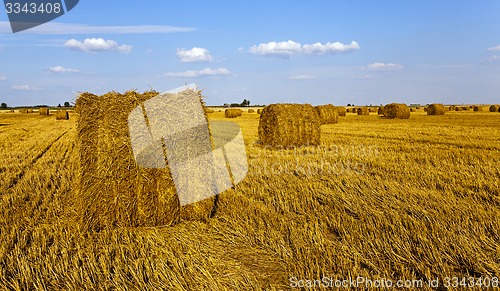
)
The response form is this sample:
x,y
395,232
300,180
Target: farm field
x,y
415,199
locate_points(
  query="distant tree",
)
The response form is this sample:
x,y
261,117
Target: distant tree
x,y
245,102
3,105
66,104
348,104
59,105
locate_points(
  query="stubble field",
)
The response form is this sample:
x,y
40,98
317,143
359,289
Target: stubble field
x,y
415,199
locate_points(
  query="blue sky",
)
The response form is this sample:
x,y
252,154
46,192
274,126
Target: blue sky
x,y
361,52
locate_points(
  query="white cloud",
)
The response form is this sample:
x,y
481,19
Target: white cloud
x,y
24,88
302,77
3,78
495,48
61,69
94,45
70,28
493,58
383,67
204,72
196,54
291,48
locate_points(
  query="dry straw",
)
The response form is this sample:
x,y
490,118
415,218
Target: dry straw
x,y
62,115
436,109
44,111
396,110
289,125
341,110
232,113
363,111
251,111
113,189
328,114
494,108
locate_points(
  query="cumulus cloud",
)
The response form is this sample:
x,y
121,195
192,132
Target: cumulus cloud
x,y
61,69
24,88
302,77
291,48
196,54
2,78
200,73
94,45
495,48
383,67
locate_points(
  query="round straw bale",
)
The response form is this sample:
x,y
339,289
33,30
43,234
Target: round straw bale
x,y
494,108
259,111
451,108
251,111
208,110
233,113
436,109
341,110
363,111
62,115
458,108
477,108
289,125
328,114
380,110
113,189
413,109
465,108
396,110
44,111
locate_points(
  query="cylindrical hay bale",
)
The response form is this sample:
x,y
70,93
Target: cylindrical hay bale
x,y
328,114
412,110
418,107
436,109
451,108
380,110
363,111
289,125
11,111
341,110
44,111
477,108
62,115
465,108
251,111
30,111
494,108
259,111
233,113
458,108
208,110
425,109
396,110
114,189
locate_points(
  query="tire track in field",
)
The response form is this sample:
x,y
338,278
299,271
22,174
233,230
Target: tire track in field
x,y
21,174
